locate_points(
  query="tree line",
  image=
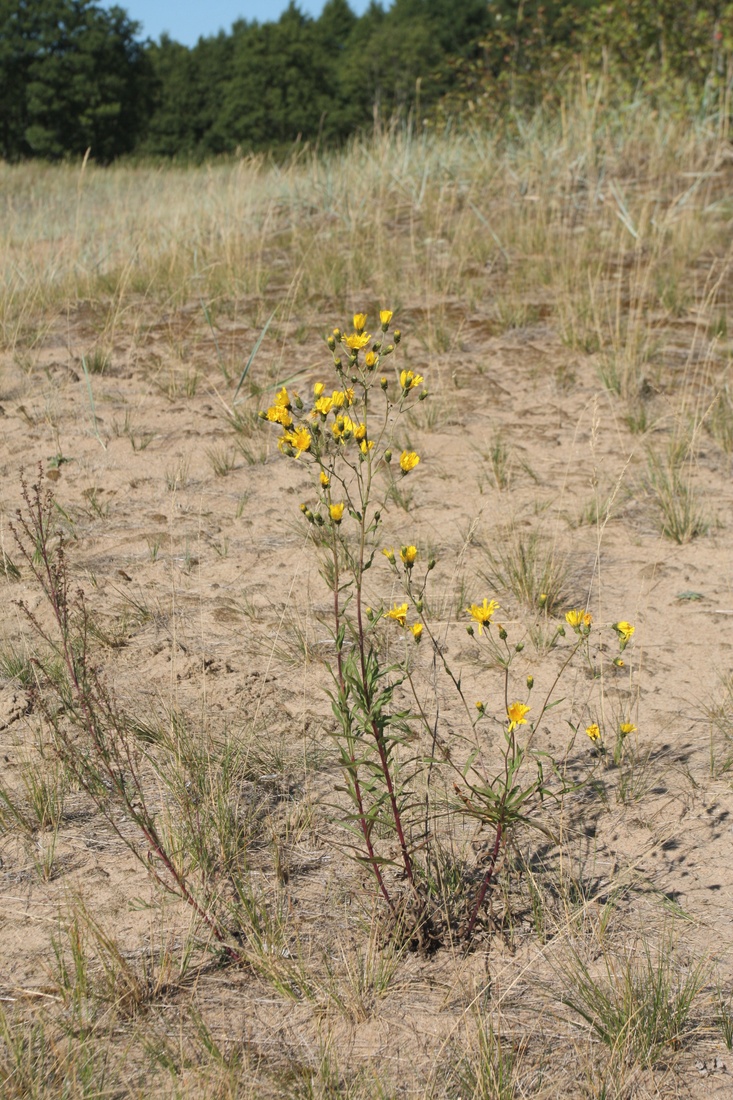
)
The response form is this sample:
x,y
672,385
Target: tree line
x,y
76,76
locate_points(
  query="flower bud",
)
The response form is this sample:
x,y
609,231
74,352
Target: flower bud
x,y
431,564
619,662
262,414
337,362
331,343
503,634
318,519
519,647
530,682
298,401
481,708
396,336
382,383
543,599
387,456
561,631
418,606
303,507
423,395
469,630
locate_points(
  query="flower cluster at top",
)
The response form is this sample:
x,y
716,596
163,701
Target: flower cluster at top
x,y
339,417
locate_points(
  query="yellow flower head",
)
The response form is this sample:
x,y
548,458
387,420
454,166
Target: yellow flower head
x,y
481,613
360,321
625,728
408,555
385,316
389,555
278,414
371,359
336,511
398,613
338,399
323,405
366,445
319,389
282,399
515,713
416,630
360,432
579,620
408,380
408,461
324,479
593,732
300,439
625,631
356,341
343,428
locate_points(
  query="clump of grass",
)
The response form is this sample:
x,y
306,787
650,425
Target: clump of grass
x,y
531,568
641,1003
669,483
720,420
221,459
499,461
97,361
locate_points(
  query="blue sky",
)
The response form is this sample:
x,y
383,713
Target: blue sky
x,y
187,20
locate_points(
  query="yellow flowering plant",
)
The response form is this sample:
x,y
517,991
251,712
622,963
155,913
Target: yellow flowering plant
x,y
346,434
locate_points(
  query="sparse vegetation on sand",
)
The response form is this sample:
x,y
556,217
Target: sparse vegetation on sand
x,y
365,709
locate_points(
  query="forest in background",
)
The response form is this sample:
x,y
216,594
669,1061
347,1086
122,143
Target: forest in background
x,y
77,77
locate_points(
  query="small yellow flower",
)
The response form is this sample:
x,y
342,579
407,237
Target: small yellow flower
x,y
408,554
324,479
360,321
481,613
416,630
371,359
319,389
625,632
625,728
593,732
278,414
360,432
282,399
336,511
408,380
385,316
343,428
338,399
301,440
515,713
579,620
366,445
356,341
480,707
398,613
408,461
389,555
323,405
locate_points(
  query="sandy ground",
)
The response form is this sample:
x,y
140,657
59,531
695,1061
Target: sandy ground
x,y
210,588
